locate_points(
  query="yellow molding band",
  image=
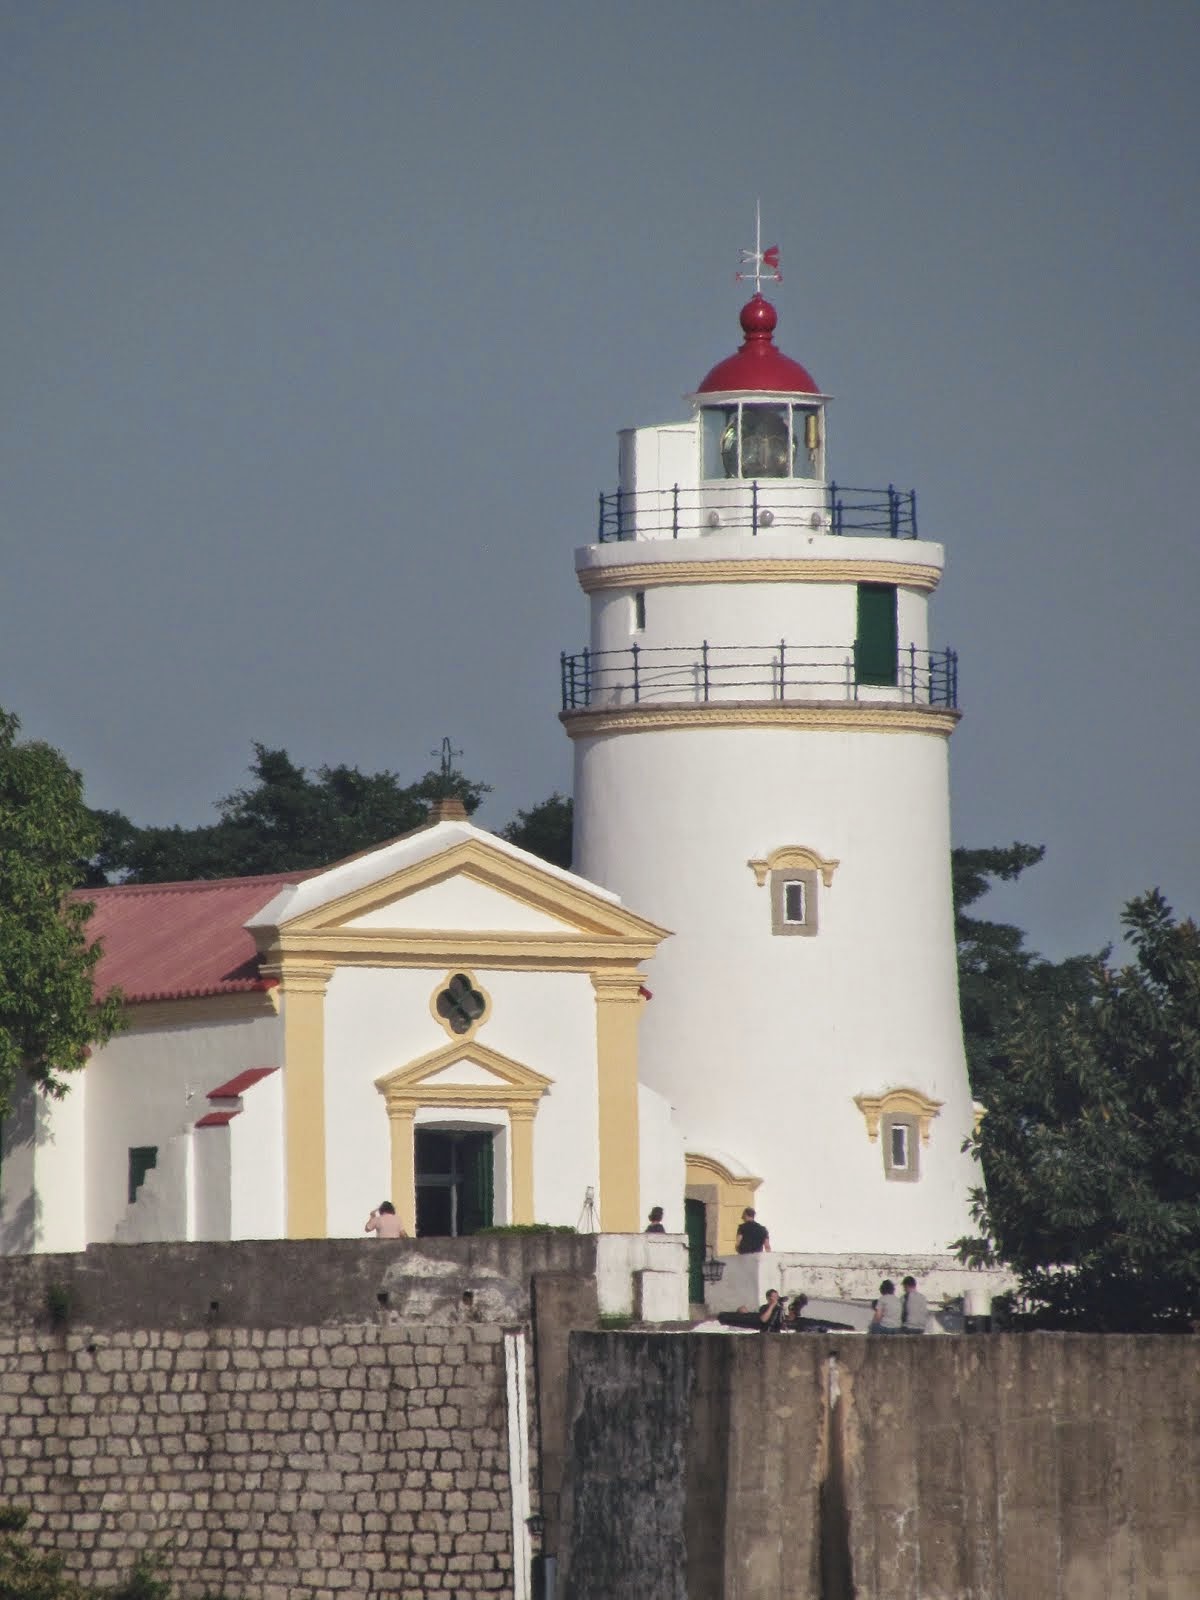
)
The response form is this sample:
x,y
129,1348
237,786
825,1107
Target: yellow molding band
x,y
401,1131
145,1015
522,952
618,1006
762,569
838,717
304,1108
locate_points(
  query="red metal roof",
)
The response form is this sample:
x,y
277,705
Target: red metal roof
x,y
758,365
179,941
236,1087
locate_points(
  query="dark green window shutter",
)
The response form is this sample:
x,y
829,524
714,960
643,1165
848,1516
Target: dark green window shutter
x,y
876,644
479,1183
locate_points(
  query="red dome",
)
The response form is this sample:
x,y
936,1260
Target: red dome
x,y
758,365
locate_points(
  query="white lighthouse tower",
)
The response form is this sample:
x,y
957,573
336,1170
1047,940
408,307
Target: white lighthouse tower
x,y
761,731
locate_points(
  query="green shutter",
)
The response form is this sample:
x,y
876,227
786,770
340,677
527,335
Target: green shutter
x,y
695,1223
875,646
478,1182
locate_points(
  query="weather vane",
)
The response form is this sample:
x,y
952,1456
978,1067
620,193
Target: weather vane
x,y
446,757
760,258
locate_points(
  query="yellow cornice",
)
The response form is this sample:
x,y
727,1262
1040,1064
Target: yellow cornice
x,y
451,947
145,1015
898,1102
791,857
760,569
842,716
584,913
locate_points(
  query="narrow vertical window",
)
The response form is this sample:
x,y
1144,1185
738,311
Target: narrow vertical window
x,y
793,901
639,611
899,1147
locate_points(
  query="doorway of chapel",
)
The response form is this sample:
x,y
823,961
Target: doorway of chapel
x,y
455,1173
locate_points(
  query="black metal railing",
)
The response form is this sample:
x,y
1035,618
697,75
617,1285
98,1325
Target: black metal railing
x,y
698,674
758,506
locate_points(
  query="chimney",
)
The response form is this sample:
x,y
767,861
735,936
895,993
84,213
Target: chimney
x,y
447,808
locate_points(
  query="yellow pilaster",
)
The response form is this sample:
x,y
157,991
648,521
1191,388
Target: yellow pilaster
x,y
401,1123
618,1005
304,1099
520,1122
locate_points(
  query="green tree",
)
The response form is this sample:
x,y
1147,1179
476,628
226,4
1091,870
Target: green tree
x,y
545,830
1091,1142
285,821
996,973
48,1019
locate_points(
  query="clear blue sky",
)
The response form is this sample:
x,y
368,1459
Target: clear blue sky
x,y
320,320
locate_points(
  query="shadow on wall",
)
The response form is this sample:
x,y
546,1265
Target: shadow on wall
x,y
20,1211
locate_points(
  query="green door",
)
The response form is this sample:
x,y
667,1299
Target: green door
x,y
695,1225
876,643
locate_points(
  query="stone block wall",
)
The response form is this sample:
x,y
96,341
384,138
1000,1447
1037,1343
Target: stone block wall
x,y
287,1420
283,1464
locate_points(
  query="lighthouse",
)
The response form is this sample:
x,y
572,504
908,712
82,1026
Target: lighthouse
x,y
761,725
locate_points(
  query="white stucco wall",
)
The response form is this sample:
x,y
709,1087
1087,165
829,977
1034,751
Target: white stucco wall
x,y
379,1020
150,1085
661,1158
257,1183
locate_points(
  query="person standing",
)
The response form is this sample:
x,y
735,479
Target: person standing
x,y
384,1223
752,1237
888,1311
655,1224
914,1313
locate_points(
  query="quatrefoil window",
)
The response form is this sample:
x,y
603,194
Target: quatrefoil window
x,y
460,1006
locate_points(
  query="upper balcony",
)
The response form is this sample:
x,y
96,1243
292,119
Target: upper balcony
x,y
705,674
756,507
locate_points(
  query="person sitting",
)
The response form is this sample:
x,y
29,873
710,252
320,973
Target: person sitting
x,y
770,1313
795,1311
914,1313
655,1224
888,1311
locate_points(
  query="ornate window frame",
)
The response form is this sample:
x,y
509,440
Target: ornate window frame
x,y
474,984
792,864
899,1108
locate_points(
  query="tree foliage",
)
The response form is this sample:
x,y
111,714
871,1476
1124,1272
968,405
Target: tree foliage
x,y
48,1022
285,821
1091,1141
996,973
545,830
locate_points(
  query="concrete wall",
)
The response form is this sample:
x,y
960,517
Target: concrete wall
x,y
1002,1467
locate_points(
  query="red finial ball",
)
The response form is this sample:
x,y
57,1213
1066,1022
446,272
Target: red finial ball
x,y
758,318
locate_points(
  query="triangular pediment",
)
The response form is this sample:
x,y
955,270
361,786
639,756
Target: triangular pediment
x,y
482,885
464,1066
